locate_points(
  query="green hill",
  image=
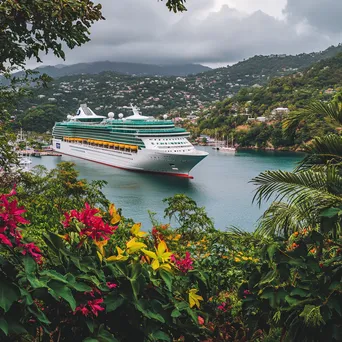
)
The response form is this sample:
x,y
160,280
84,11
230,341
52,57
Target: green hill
x,y
109,91
321,81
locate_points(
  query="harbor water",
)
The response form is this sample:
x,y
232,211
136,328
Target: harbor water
x,y
221,184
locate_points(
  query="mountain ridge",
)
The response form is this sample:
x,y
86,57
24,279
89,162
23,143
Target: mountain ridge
x,y
138,69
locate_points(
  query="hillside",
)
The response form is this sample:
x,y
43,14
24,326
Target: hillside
x,y
321,81
138,69
155,95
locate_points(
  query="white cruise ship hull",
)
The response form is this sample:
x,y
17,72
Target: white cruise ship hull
x,y
144,160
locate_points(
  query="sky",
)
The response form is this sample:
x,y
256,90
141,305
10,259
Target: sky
x,y
211,32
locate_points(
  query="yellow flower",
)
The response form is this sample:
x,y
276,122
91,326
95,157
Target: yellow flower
x,y
160,258
114,214
100,245
174,238
244,258
134,246
119,257
135,230
194,298
237,259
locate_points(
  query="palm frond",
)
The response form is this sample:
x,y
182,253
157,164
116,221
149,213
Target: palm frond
x,y
320,187
322,150
283,219
291,123
332,110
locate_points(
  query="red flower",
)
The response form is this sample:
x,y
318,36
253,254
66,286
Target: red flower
x,y
200,320
10,213
95,305
184,265
112,285
84,311
94,228
33,250
223,307
5,240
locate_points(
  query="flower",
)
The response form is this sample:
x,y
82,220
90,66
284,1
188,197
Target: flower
x,y
93,225
5,240
82,309
115,217
194,298
135,230
119,257
184,265
10,213
134,246
160,258
33,250
100,245
95,306
200,320
92,307
111,285
222,307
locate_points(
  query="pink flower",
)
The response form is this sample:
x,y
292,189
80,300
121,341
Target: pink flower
x,y
185,264
10,213
94,291
95,228
95,305
84,311
246,292
200,320
112,285
5,240
33,250
222,307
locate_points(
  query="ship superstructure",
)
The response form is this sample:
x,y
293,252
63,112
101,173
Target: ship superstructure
x,y
136,142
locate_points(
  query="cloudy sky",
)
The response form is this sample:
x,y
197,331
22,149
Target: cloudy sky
x,y
211,32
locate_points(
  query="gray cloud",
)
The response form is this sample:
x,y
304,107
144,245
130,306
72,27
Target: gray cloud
x,y
325,15
144,31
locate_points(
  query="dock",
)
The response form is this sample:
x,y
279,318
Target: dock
x,y
33,153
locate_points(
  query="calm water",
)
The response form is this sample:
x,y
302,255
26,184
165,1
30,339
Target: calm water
x,y
221,184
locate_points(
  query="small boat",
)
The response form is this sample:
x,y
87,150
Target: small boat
x,y
228,149
24,160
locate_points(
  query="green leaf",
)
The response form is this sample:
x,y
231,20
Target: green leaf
x,y
160,336
175,313
30,265
9,293
63,291
14,327
54,241
331,212
81,287
167,277
90,325
52,274
105,336
90,339
271,250
39,315
113,301
300,292
4,326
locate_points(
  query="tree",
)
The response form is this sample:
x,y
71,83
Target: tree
x,y
313,191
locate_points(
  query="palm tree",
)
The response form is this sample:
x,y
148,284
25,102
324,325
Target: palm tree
x,y
311,195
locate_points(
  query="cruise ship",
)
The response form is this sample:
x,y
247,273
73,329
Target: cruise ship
x,y
136,142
